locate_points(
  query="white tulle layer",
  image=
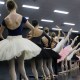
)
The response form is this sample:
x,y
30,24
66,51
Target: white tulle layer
x,y
14,46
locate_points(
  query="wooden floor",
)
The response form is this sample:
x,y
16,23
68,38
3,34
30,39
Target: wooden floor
x,y
74,75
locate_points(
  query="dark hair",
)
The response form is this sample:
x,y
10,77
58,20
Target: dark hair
x,y
11,5
53,34
34,23
46,29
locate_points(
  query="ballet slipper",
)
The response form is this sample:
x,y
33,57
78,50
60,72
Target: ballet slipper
x,y
48,77
52,76
55,75
25,79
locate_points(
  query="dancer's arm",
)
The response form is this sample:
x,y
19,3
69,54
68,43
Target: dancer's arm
x,y
75,51
1,31
72,53
59,33
74,40
65,37
76,47
47,37
3,25
44,41
63,34
30,26
29,35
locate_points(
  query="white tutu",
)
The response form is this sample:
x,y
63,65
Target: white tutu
x,y
14,46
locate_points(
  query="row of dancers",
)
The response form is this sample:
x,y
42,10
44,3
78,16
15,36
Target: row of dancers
x,y
38,47
53,50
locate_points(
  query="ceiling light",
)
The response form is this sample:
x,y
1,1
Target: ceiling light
x,y
27,17
66,23
0,14
32,7
44,20
1,2
56,29
75,31
62,12
40,27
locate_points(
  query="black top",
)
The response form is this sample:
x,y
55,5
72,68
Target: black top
x,y
38,40
17,31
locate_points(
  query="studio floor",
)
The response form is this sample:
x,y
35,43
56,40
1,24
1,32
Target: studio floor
x,y
4,73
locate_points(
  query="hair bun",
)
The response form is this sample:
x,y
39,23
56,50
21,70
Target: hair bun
x,y
11,5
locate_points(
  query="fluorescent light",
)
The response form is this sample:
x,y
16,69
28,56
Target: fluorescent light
x,y
56,29
62,12
44,20
66,23
1,2
40,27
0,14
75,31
27,17
32,7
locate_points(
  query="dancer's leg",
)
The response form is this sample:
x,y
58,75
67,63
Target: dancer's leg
x,y
71,55
72,44
50,66
21,67
40,65
62,66
55,66
46,68
66,65
61,44
12,69
75,47
34,70
70,64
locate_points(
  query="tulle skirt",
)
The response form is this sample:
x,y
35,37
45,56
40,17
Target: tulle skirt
x,y
65,52
47,53
15,46
43,55
52,54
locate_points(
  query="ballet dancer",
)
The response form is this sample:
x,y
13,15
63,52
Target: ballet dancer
x,y
14,46
36,38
